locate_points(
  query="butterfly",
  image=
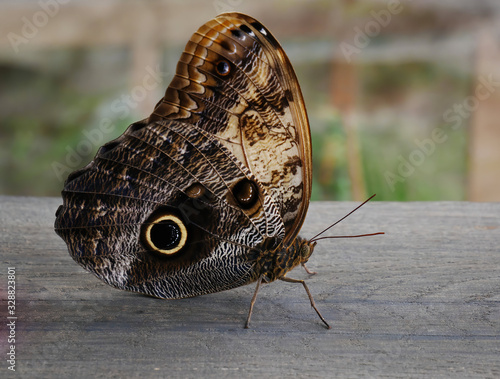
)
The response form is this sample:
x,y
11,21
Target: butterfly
x,y
210,191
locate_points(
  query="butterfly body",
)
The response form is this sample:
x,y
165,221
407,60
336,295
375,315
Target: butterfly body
x,y
273,265
210,192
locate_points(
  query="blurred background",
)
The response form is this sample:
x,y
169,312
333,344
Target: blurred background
x,y
403,96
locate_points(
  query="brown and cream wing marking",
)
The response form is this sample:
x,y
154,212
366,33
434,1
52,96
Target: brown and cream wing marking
x,y
235,81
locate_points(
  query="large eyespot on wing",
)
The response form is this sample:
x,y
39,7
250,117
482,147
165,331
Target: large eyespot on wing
x,y
159,211
235,81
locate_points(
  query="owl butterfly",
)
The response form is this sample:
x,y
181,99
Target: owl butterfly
x,y
209,192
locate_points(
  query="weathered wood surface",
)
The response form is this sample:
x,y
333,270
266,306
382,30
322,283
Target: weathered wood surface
x,y
421,301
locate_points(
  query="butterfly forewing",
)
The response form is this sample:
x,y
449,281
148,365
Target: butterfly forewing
x,y
235,81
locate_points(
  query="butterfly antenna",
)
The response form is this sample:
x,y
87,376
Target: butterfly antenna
x,y
315,238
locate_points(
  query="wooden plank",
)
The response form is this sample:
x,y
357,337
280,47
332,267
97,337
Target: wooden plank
x,y
421,301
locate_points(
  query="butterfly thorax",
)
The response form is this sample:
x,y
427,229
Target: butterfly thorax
x,y
274,265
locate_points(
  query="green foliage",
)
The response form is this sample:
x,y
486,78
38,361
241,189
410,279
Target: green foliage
x,y
330,175
400,170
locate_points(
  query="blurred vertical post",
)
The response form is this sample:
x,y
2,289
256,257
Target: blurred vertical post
x,y
344,91
484,152
145,58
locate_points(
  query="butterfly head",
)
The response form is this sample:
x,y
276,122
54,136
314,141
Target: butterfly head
x,y
305,248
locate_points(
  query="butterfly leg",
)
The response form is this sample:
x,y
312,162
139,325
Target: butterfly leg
x,y
313,304
310,272
252,303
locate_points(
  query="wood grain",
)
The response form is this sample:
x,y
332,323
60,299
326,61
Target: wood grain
x,y
421,301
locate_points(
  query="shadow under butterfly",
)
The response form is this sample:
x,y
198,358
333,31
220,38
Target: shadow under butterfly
x,y
208,193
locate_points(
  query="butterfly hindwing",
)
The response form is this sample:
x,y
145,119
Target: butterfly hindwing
x,y
146,172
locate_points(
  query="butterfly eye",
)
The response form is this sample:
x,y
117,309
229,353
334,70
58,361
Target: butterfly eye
x,y
165,234
223,68
245,193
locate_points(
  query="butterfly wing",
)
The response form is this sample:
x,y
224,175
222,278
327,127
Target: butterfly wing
x,y
223,163
174,169
235,81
